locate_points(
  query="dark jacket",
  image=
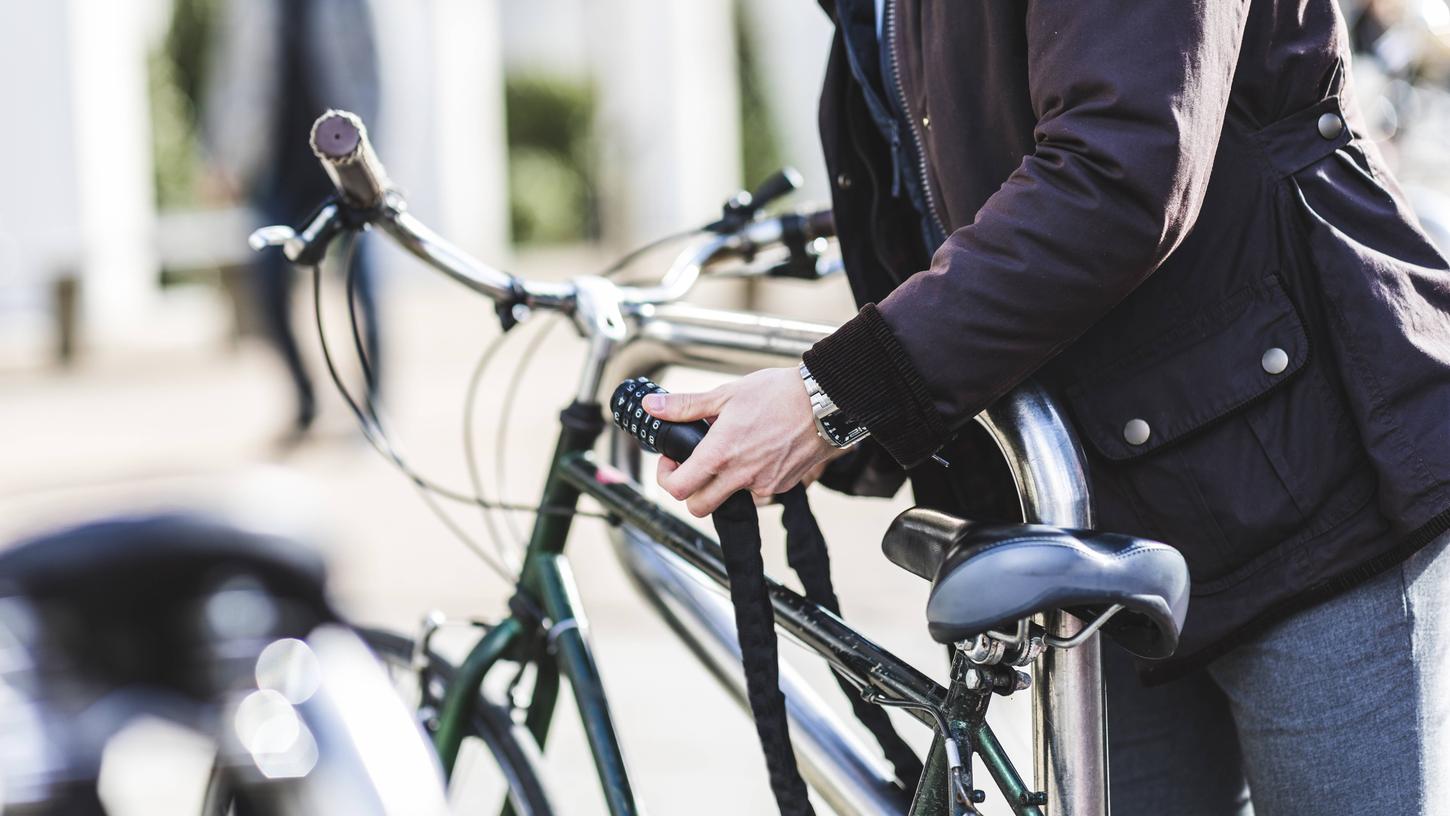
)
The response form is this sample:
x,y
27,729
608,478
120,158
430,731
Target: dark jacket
x,y
1164,211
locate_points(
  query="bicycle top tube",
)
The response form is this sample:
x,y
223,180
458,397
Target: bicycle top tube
x,y
365,196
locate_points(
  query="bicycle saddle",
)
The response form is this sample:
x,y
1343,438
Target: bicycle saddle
x,y
988,576
124,600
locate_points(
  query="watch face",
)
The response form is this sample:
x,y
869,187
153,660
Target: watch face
x,y
840,430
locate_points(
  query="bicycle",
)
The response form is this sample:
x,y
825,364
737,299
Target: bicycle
x,y
1132,589
222,632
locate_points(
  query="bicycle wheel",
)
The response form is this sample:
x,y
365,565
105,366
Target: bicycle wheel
x,y
499,760
497,763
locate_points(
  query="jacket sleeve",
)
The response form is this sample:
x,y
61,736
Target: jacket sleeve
x,y
1130,98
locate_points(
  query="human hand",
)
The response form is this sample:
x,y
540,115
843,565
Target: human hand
x,y
811,477
216,188
762,439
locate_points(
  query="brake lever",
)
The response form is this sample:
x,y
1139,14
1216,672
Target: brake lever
x,y
305,248
273,236
742,207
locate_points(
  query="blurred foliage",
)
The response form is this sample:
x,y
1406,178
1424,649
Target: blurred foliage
x,y
546,197
174,148
553,194
176,75
187,46
760,152
552,191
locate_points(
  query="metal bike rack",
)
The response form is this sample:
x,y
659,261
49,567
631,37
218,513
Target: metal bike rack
x,y
1046,462
1069,716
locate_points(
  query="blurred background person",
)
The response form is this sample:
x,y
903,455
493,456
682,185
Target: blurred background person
x,y
277,65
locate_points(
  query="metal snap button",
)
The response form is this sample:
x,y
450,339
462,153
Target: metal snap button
x,y
1330,126
843,181
1275,360
1136,432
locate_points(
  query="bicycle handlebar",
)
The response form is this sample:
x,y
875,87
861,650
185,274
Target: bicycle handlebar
x,y
340,142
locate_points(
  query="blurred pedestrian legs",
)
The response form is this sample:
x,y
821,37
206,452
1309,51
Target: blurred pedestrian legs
x,y
276,66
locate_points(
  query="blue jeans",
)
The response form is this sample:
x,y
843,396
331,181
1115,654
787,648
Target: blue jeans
x,y
1342,708
274,279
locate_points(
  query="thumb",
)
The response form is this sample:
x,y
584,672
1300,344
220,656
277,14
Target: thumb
x,y
686,407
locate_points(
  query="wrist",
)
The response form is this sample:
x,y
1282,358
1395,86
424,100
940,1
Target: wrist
x,y
833,425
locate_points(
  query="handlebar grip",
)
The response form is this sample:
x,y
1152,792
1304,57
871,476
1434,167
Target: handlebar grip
x,y
340,142
782,182
799,229
677,440
821,224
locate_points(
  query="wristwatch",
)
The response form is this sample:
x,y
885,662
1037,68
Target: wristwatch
x,y
831,422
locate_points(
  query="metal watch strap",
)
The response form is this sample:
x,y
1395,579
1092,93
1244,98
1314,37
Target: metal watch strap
x,y
831,422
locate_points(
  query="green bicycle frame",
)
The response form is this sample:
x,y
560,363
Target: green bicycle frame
x,y
558,644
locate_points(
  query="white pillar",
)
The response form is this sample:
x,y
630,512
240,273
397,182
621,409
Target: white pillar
x,y
441,126
468,127
39,222
112,138
668,113
792,42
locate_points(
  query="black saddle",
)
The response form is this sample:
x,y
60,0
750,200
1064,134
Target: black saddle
x,y
988,576
121,599
153,615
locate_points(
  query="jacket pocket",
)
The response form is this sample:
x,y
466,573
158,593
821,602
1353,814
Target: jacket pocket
x,y
1220,436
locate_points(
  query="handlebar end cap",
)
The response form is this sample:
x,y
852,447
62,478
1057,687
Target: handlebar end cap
x,y
338,136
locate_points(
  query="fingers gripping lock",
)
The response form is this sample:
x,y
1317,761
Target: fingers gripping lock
x,y
677,440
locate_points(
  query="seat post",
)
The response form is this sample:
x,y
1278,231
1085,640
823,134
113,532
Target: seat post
x,y
1068,709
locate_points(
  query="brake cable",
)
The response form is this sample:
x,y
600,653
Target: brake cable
x,y
374,432
501,436
511,393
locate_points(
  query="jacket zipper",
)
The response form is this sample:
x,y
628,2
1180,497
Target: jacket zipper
x,y
895,159
889,28
877,240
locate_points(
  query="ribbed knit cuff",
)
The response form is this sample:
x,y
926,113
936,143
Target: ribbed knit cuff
x,y
866,372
